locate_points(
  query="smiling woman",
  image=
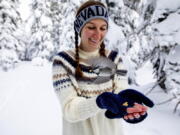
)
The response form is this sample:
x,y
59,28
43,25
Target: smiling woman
x,y
84,97
93,34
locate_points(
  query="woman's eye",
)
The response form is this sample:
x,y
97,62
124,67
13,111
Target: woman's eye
x,y
103,29
91,28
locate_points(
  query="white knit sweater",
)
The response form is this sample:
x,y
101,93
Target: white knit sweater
x,y
81,115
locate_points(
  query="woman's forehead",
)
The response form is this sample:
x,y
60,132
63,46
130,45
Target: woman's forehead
x,y
97,21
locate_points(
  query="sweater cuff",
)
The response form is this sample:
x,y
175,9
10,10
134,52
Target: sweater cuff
x,y
88,108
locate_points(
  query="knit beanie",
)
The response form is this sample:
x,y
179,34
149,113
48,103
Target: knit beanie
x,y
89,13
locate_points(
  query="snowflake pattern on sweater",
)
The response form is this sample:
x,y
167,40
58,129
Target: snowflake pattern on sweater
x,y
63,80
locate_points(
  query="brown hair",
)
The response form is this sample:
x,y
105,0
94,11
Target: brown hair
x,y
78,72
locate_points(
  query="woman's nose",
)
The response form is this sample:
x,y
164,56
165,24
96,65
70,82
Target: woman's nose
x,y
97,33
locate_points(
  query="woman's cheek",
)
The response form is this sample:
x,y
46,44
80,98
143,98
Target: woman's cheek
x,y
89,34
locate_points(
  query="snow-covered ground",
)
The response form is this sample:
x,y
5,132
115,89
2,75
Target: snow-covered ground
x,y
28,105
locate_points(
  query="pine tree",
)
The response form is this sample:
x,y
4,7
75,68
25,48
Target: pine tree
x,y
11,44
62,15
144,42
52,28
56,16
134,18
172,69
66,25
40,43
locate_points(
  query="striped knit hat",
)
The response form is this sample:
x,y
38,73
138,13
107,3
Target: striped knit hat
x,y
89,13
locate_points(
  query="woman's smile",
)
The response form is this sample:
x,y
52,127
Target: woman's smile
x,y
93,41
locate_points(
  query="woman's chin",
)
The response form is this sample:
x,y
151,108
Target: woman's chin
x,y
94,45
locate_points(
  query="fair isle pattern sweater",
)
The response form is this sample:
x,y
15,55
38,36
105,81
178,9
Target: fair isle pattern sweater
x,y
81,115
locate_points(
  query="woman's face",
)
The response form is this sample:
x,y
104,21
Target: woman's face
x,y
92,34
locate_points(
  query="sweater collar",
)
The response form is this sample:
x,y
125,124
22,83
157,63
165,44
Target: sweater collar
x,y
85,55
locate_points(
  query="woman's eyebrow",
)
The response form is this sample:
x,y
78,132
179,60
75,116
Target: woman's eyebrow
x,y
91,23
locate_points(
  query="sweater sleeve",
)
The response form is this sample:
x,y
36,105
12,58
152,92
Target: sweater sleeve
x,y
120,78
74,107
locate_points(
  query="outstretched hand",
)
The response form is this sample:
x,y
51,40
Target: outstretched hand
x,y
136,113
128,104
137,108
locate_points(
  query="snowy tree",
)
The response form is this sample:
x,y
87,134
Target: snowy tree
x,y
56,17
11,43
40,43
172,69
134,18
62,15
140,21
167,70
166,44
67,25
160,55
52,28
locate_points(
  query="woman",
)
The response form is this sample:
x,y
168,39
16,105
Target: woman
x,y
90,107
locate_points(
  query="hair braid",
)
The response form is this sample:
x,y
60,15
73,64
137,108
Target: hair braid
x,y
78,72
102,50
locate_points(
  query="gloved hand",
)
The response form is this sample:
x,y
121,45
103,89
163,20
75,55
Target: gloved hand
x,y
117,104
112,102
135,120
131,96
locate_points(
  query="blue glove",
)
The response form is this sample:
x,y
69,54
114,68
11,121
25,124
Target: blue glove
x,y
131,96
113,103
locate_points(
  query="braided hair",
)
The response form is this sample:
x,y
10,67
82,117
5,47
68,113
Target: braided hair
x,y
78,72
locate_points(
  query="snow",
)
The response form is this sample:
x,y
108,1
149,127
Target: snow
x,y
158,123
169,25
148,78
24,9
117,33
29,106
167,4
176,37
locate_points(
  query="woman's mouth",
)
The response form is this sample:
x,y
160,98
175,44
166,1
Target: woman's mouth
x,y
94,41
